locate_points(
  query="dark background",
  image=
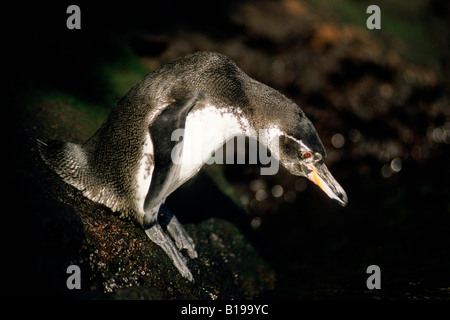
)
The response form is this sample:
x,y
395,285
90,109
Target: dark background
x,y
385,91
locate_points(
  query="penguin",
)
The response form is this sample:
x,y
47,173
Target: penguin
x,y
128,164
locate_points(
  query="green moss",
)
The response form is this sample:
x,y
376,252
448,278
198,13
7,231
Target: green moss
x,y
63,107
124,73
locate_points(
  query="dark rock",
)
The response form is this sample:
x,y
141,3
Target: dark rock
x,y
114,254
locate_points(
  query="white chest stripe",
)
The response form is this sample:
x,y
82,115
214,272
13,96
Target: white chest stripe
x,y
206,130
144,173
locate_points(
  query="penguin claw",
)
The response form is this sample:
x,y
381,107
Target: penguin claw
x,y
177,232
182,239
157,235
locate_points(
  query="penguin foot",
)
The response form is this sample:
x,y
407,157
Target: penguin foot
x,y
157,235
177,232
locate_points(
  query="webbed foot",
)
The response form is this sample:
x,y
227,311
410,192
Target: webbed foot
x,y
158,236
177,232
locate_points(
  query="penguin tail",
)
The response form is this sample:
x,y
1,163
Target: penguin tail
x,y
70,162
67,159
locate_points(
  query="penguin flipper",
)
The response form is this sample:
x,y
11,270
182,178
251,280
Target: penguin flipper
x,y
173,117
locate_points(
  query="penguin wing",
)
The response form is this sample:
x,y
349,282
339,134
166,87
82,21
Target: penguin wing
x,y
173,117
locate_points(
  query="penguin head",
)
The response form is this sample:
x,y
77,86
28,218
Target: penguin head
x,y
302,153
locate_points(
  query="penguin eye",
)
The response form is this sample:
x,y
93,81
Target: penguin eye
x,y
306,155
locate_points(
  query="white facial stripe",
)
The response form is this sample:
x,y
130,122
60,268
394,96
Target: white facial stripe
x,y
300,142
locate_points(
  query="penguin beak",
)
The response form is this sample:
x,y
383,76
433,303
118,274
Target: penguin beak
x,y
320,175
